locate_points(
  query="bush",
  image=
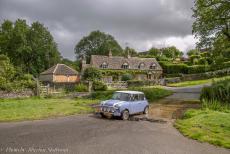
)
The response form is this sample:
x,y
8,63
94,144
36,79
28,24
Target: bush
x,y
102,95
126,77
215,105
153,94
81,88
99,86
138,83
91,74
170,68
198,69
219,91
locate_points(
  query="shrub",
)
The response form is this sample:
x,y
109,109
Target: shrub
x,y
153,94
81,88
99,86
215,105
138,83
126,77
198,69
219,91
170,68
91,74
102,95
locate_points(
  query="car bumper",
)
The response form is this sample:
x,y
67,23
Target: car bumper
x,y
114,112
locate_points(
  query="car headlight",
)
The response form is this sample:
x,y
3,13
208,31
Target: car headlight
x,y
116,106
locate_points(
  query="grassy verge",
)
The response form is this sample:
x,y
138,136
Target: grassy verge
x,y
40,108
206,126
196,82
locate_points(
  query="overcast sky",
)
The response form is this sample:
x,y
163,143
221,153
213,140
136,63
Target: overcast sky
x,y
140,24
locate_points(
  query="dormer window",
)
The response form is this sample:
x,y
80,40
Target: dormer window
x,y
104,65
153,66
141,66
125,66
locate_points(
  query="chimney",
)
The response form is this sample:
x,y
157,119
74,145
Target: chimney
x,y
128,55
110,53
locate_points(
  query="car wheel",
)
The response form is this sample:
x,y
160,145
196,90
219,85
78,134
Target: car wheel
x,y
146,111
125,115
102,115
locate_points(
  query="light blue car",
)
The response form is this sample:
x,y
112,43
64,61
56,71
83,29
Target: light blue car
x,y
125,103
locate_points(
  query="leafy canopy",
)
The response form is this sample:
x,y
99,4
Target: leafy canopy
x,y
97,43
30,48
212,20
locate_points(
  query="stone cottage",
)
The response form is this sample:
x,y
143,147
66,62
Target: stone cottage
x,y
147,68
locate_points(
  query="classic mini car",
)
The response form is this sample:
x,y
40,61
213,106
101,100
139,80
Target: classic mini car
x,y
124,103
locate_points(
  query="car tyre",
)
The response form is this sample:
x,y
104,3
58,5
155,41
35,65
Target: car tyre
x,y
146,110
125,115
102,115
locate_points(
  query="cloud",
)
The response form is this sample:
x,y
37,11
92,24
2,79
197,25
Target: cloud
x,y
140,23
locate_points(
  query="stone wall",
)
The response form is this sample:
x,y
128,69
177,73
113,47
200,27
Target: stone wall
x,y
200,76
25,93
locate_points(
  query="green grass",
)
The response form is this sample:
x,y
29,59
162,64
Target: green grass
x,y
40,108
206,126
196,82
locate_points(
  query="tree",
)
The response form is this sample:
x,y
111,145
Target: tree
x,y
171,52
154,52
130,51
193,52
73,64
97,43
91,74
29,48
212,20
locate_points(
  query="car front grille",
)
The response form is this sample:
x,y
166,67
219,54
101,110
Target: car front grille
x,y
107,109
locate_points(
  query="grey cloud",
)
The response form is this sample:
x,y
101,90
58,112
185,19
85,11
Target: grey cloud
x,y
133,21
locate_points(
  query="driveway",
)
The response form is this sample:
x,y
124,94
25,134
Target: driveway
x,y
91,134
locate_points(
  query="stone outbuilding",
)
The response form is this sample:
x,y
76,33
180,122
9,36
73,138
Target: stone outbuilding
x,y
59,75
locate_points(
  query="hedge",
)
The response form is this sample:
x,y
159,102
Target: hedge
x,y
175,70
219,91
138,83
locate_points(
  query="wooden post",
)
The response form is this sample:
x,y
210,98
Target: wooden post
x,y
37,87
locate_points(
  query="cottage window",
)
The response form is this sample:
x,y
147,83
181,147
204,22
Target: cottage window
x,y
141,66
125,66
153,66
104,65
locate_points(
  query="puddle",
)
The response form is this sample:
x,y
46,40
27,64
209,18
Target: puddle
x,y
171,109
164,110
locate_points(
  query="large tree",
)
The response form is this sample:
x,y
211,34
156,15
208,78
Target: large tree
x,y
98,43
171,52
212,20
29,48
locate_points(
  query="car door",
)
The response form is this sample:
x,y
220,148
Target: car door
x,y
135,103
142,102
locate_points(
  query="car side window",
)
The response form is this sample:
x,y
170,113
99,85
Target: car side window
x,y
136,98
141,97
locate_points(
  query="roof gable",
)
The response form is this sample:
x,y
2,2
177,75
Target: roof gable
x,y
60,69
116,62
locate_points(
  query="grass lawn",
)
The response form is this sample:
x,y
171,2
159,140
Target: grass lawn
x,y
196,82
206,126
40,108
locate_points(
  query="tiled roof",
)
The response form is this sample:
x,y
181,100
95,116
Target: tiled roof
x,y
60,69
116,62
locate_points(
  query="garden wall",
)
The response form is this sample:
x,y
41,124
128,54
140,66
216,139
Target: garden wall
x,y
25,93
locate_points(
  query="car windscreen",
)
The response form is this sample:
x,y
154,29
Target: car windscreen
x,y
121,96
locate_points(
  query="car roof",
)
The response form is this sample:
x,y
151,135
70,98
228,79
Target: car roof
x,y
130,92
